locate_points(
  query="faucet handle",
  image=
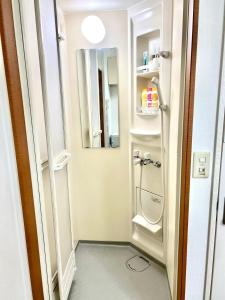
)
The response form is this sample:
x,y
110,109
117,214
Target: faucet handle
x,y
157,164
136,153
137,161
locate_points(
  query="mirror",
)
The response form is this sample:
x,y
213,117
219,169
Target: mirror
x,y
98,93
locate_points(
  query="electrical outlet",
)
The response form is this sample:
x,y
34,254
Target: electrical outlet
x,y
201,165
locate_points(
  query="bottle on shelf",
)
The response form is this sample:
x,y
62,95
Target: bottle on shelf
x,y
145,58
149,100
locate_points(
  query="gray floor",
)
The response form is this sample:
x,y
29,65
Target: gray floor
x,y
103,275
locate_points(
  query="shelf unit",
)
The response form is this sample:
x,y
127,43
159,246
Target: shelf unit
x,y
149,42
147,73
150,114
153,228
144,133
150,31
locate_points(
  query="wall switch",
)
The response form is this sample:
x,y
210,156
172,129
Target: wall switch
x,y
201,165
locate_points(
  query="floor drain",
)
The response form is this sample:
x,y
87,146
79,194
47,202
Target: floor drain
x,y
137,263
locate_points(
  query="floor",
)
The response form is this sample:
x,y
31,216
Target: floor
x,y
102,274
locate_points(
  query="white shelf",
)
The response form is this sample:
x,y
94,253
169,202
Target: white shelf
x,y
139,220
148,74
144,133
153,113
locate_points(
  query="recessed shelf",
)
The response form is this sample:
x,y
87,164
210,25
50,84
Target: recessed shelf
x,y
150,114
140,220
148,74
144,133
149,34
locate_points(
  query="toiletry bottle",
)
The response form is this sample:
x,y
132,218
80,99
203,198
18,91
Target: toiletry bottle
x,y
155,99
145,58
144,100
149,96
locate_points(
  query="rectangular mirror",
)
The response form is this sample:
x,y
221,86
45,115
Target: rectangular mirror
x,y
97,72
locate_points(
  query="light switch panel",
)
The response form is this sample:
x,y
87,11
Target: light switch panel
x,y
201,165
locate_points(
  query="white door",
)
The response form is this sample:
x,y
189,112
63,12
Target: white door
x,y
218,281
57,154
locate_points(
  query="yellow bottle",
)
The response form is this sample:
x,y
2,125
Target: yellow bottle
x,y
144,100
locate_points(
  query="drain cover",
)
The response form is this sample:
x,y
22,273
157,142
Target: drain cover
x,y
137,263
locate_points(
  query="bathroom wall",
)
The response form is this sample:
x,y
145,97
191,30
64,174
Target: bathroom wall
x,y
99,178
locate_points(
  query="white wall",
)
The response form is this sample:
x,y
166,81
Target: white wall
x,y
14,271
99,178
205,116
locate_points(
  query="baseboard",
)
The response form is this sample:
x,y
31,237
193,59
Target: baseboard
x,y
116,243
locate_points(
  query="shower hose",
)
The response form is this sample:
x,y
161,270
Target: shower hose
x,y
154,222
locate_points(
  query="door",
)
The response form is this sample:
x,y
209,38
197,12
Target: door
x,y
218,284
58,156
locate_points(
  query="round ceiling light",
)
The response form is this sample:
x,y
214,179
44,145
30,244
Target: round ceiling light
x,y
93,29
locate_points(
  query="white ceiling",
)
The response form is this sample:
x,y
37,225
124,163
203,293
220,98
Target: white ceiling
x,y
82,5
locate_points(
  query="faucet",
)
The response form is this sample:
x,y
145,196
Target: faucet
x,y
146,160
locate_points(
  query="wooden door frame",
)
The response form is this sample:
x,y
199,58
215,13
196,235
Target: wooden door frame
x,y
22,155
9,50
192,40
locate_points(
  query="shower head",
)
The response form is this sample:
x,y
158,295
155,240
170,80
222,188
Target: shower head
x,y
155,81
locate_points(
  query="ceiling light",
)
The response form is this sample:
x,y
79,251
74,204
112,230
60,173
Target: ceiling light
x,y
93,29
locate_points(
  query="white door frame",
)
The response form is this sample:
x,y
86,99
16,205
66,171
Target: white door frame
x,y
28,58
217,282
216,183
11,208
